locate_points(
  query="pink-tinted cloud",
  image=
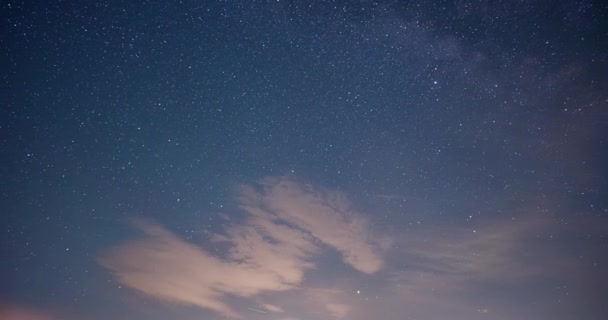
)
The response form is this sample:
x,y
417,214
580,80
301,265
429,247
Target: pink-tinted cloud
x,y
12,312
168,268
436,271
338,310
267,252
428,271
271,307
326,215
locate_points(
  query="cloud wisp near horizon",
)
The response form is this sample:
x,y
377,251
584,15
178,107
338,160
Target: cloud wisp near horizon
x,y
18,312
287,227
287,224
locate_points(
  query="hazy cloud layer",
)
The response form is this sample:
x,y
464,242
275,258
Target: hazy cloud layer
x,y
269,251
12,312
436,270
337,310
420,271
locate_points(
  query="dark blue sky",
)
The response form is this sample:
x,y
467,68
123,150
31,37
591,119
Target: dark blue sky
x,y
303,159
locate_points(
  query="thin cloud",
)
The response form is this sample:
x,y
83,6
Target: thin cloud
x,y
327,215
268,252
438,270
12,312
271,307
338,310
485,251
171,269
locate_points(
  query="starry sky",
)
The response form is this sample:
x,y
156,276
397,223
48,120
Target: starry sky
x,y
303,160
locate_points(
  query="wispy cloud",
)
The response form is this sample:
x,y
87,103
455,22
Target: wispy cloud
x,y
427,270
268,252
438,270
326,214
271,307
483,269
12,312
333,301
485,250
338,310
169,268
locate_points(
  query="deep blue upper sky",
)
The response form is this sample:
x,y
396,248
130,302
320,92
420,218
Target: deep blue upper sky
x,y
380,159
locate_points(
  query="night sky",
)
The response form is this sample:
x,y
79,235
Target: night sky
x,y
303,160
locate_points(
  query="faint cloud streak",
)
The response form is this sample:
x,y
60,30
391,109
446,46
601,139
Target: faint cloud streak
x,y
326,215
12,312
268,252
